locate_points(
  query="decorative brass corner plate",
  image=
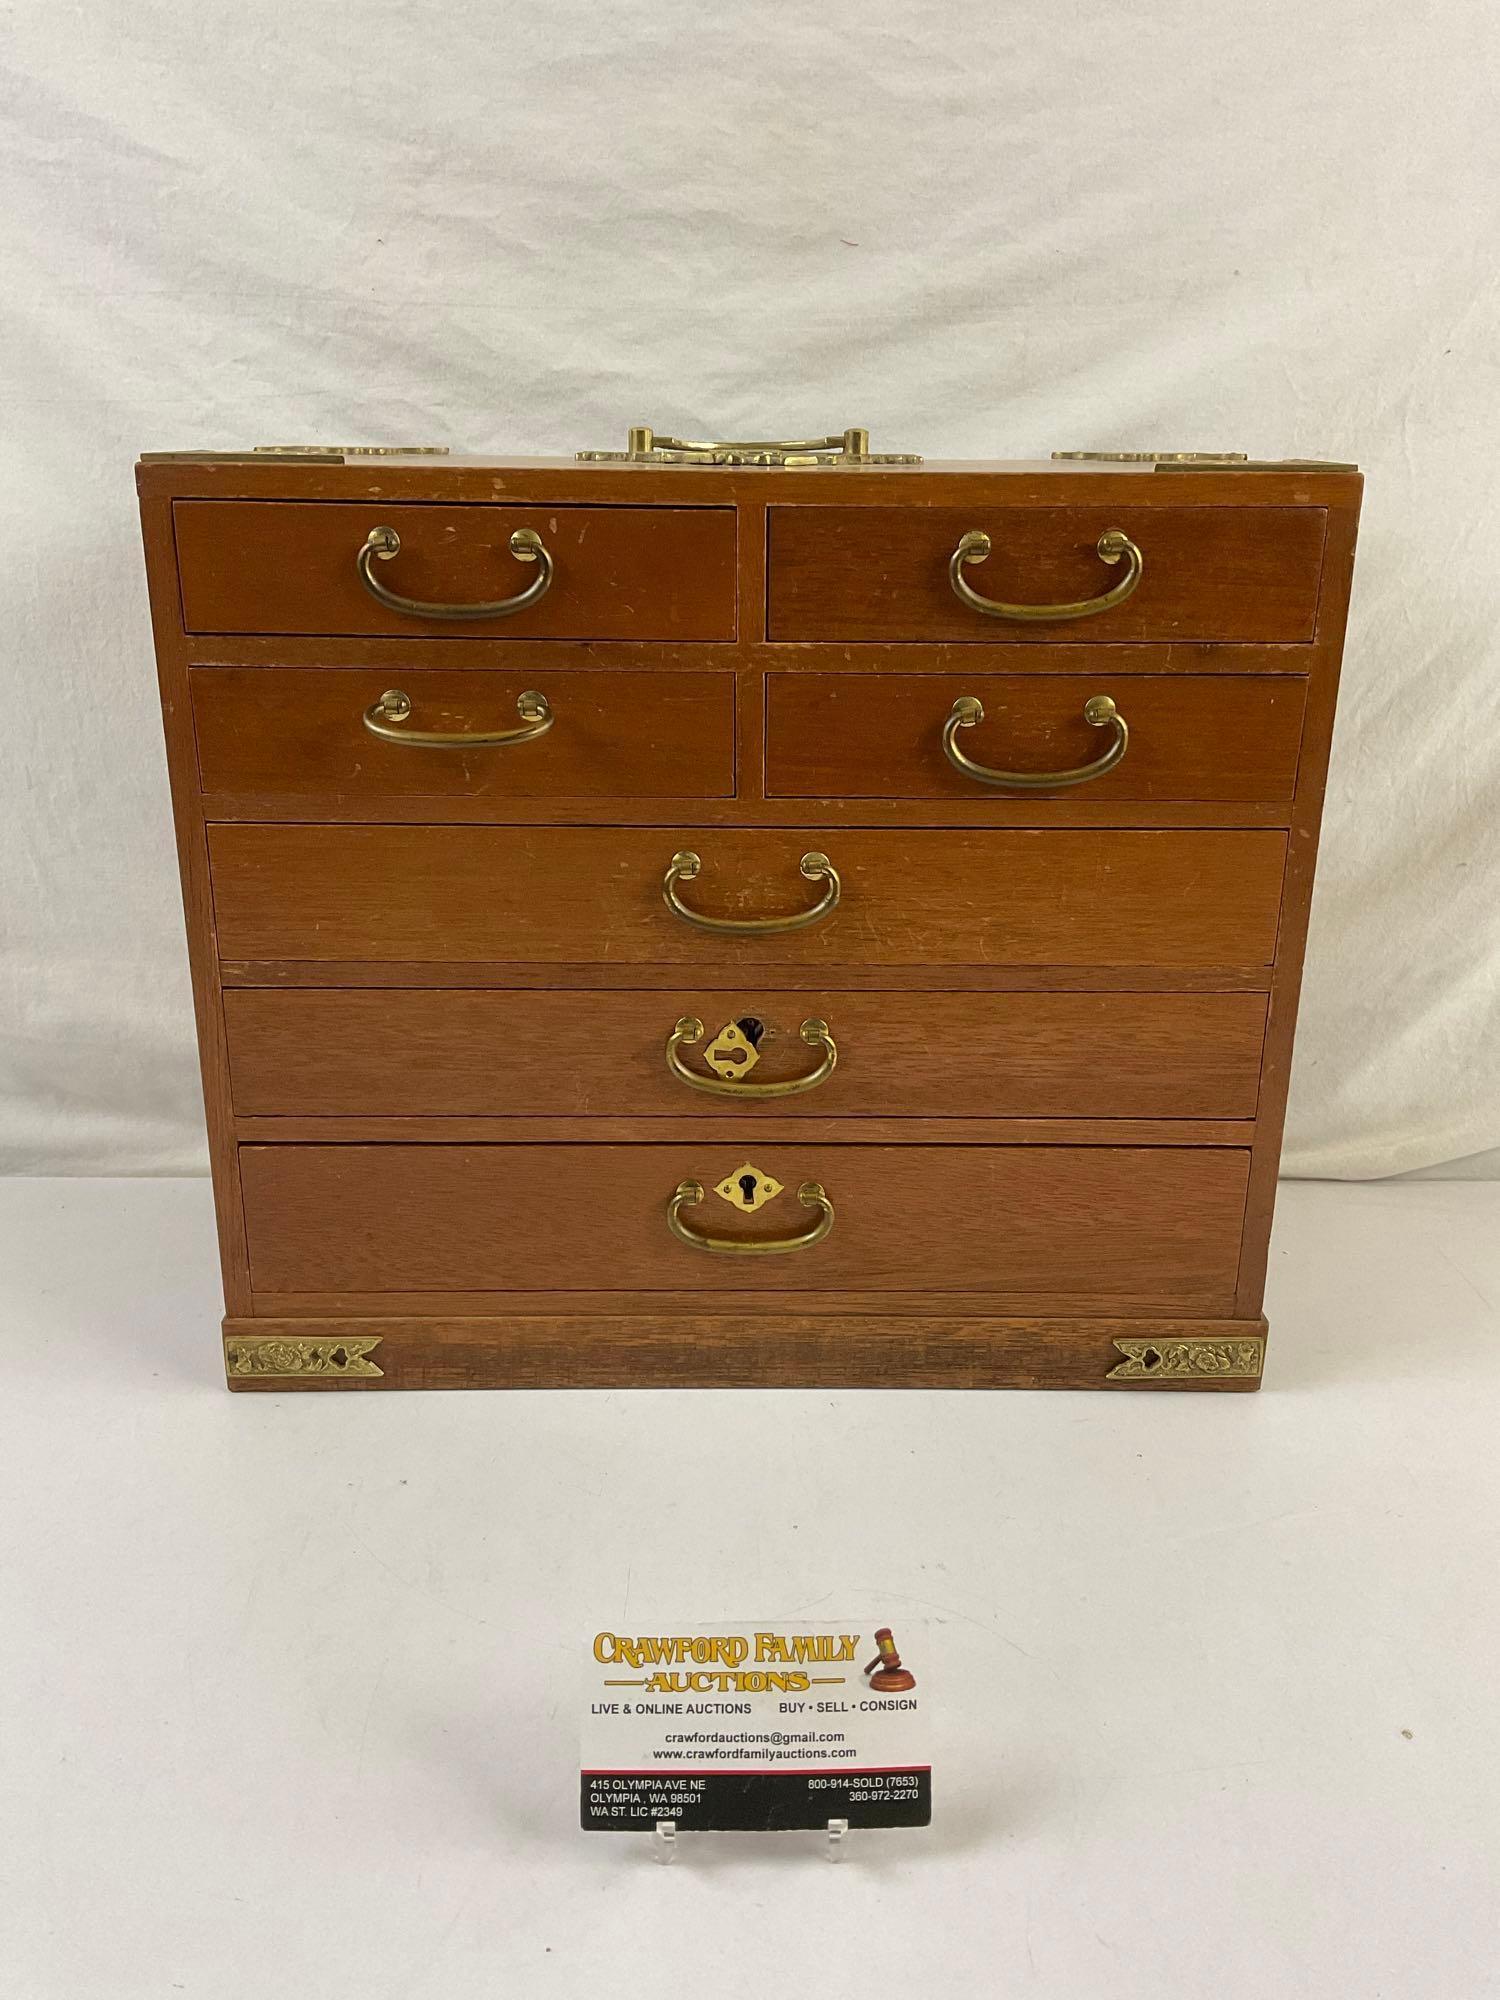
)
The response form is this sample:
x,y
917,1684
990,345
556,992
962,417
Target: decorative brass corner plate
x,y
287,1359
1189,1358
748,1189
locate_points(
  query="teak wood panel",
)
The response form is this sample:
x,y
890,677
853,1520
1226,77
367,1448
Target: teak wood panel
x,y
1192,738
1155,1227
766,1337
718,1349
300,733
621,572
928,1055
465,479
881,573
554,895
286,974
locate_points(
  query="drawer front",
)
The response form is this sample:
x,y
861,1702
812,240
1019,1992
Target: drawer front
x,y
1108,1226
416,1054
583,895
301,733
1201,738
882,573
618,572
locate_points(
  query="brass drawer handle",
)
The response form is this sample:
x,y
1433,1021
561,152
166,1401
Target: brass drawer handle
x,y
690,1030
525,545
689,1193
1112,544
383,717
1098,711
684,867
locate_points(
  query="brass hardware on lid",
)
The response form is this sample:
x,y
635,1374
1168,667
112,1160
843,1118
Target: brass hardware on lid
x,y
351,450
308,454
1155,457
1262,465
1205,461
851,447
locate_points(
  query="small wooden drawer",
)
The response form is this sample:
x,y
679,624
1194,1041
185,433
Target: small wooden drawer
x,y
983,896
310,734
1201,738
1100,1227
617,572
421,1054
883,573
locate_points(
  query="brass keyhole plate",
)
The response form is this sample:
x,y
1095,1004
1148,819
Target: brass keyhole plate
x,y
748,1189
731,1054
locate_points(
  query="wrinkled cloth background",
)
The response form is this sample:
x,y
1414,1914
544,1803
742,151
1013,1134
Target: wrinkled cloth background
x,y
981,231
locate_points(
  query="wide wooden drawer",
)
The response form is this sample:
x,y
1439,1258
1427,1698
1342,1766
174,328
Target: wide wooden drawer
x,y
399,1053
303,734
1102,1226
618,572
1209,738
882,573
584,895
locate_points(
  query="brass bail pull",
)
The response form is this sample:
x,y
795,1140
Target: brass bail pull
x,y
387,717
1113,545
685,866
688,1195
1099,712
383,544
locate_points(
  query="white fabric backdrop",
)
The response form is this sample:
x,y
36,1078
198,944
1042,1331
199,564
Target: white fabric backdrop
x,y
979,230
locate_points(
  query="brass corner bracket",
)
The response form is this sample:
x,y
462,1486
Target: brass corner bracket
x,y
1189,1358
275,1357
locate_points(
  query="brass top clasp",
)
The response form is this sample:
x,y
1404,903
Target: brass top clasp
x,y
645,446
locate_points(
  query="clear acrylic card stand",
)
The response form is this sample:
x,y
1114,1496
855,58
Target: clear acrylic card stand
x,y
664,1845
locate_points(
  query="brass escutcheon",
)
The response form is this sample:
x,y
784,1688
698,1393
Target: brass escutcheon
x,y
748,1189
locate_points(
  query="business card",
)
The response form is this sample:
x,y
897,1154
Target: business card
x,y
755,1728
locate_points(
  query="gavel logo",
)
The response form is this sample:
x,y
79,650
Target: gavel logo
x,y
887,1675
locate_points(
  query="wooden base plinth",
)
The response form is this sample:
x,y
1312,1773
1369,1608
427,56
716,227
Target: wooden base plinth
x,y
642,1350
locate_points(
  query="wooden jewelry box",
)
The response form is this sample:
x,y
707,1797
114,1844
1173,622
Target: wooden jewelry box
x,y
759,914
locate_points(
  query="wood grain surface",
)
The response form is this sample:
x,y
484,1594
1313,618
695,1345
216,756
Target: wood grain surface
x,y
1302,855
606,1128
446,1154
469,974
929,1055
1114,1226
851,573
564,895
1192,738
197,897
932,1350
299,733
756,1302
621,572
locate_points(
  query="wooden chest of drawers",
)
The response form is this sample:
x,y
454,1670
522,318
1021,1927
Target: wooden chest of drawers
x,y
713,924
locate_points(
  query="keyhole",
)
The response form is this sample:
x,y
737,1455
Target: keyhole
x,y
747,1189
751,1029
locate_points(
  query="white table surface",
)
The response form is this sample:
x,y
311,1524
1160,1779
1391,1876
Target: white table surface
x,y
288,1685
